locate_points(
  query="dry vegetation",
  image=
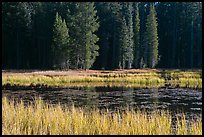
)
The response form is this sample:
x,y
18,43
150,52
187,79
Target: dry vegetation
x,y
131,78
40,118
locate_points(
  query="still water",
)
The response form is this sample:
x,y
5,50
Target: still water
x,y
178,101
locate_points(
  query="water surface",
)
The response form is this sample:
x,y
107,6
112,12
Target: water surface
x,y
178,101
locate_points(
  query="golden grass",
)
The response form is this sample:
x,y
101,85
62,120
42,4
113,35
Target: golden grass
x,y
64,81
154,78
40,118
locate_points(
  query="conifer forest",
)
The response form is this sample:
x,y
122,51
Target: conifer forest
x,y
101,35
101,68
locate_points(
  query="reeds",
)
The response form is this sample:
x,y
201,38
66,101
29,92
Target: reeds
x,y
40,118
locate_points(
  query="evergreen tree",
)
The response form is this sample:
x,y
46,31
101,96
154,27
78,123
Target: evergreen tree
x,y
123,44
151,39
129,16
60,43
136,37
143,13
126,35
91,26
127,13
83,25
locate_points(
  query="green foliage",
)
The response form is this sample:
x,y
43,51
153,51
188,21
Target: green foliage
x,y
128,8
136,37
123,43
151,39
60,43
158,32
83,24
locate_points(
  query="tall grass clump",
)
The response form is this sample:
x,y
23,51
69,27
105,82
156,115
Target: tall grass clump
x,y
41,118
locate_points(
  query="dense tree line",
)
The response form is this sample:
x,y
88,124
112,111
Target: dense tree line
x,y
101,35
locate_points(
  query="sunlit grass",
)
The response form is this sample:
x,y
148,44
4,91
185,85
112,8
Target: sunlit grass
x,y
66,80
40,118
188,79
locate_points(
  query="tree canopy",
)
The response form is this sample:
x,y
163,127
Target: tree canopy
x,y
101,35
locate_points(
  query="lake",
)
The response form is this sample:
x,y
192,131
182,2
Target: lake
x,y
178,101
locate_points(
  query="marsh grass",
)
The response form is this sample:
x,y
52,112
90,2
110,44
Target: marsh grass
x,y
178,78
64,81
41,118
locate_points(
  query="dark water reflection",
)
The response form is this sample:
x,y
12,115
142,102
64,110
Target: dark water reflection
x,y
177,101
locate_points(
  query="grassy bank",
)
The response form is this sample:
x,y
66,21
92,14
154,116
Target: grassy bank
x,y
46,119
131,78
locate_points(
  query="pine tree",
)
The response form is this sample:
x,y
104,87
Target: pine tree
x,y
151,39
28,41
143,12
60,43
83,25
123,44
127,12
131,35
136,37
92,25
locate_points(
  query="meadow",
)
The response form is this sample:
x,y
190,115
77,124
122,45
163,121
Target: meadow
x,y
42,118
131,78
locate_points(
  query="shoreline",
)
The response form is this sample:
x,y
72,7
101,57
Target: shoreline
x,y
144,78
